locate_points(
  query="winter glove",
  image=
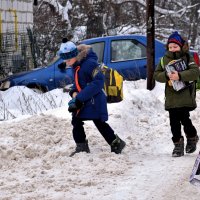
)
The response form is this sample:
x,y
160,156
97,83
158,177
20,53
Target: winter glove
x,y
74,105
62,66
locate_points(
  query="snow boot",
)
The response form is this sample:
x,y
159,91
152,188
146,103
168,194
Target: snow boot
x,y
178,150
191,144
117,145
81,147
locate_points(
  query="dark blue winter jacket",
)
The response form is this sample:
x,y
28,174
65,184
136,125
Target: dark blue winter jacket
x,y
91,81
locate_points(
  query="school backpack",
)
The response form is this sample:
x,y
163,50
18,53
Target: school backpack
x,y
113,85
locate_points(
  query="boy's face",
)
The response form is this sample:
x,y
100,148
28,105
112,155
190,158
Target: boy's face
x,y
71,61
173,47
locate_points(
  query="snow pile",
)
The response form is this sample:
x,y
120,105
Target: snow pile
x,y
21,100
35,162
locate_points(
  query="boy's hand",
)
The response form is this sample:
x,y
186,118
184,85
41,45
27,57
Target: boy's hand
x,y
74,94
74,105
62,66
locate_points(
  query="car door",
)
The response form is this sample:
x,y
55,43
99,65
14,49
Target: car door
x,y
128,56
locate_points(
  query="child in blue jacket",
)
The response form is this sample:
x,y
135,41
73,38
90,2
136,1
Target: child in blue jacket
x,y
88,98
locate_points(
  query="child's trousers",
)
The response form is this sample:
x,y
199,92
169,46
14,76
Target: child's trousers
x,y
79,132
178,117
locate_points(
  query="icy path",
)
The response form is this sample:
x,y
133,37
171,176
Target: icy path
x,y
35,165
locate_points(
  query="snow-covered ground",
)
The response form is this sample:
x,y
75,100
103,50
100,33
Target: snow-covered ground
x,y
35,148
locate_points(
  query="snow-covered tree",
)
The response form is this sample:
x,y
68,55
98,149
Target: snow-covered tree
x,y
54,19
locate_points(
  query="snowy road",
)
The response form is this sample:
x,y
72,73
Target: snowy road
x,y
35,162
35,165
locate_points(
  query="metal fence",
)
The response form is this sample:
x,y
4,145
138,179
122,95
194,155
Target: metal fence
x,y
15,53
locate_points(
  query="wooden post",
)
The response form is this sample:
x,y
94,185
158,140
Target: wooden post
x,y
1,30
150,44
35,2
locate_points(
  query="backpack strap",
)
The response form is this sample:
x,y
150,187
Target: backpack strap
x,y
188,58
76,79
77,83
162,62
196,59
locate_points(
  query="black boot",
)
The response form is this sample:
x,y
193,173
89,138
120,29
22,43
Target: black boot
x,y
191,144
179,148
81,147
117,145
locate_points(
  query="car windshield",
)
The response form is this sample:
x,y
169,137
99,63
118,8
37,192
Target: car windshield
x,y
54,60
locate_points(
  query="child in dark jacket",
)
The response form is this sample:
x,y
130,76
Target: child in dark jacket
x,y
88,98
179,103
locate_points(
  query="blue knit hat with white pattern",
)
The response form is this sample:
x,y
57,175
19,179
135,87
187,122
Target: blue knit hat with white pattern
x,y
67,50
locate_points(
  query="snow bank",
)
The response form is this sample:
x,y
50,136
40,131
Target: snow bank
x,y
35,162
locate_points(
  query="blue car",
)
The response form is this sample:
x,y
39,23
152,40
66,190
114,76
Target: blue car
x,y
125,53
41,79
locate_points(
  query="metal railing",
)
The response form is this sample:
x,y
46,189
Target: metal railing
x,y
12,59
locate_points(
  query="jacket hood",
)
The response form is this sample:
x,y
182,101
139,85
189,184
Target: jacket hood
x,y
85,51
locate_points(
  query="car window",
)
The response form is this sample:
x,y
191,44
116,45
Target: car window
x,y
98,48
122,50
54,60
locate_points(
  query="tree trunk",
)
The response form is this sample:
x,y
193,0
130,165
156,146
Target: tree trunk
x,y
150,44
95,19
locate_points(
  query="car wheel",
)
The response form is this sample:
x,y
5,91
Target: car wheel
x,y
37,89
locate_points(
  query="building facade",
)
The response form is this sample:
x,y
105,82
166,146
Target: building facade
x,y
16,18
16,14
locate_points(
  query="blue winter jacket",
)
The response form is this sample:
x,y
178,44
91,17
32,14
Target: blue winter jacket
x,y
91,81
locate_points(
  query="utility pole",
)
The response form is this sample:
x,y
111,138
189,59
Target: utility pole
x,y
35,2
150,44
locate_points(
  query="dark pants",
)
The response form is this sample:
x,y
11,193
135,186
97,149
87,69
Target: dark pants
x,y
180,116
79,133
